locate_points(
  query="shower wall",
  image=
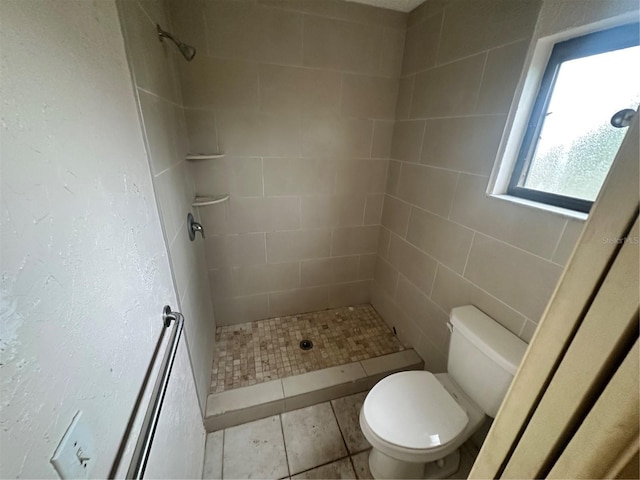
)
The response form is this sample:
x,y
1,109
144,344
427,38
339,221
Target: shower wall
x,y
444,242
300,97
153,65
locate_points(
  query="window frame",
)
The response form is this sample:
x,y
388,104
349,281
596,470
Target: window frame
x,y
602,41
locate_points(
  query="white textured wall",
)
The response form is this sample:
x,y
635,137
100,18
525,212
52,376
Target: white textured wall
x,y
84,270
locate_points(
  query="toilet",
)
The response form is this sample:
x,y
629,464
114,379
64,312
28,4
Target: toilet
x,y
416,421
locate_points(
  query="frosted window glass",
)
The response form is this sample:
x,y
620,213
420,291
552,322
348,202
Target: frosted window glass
x,y
577,143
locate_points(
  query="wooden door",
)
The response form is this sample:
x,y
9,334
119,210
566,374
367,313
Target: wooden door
x,y
572,409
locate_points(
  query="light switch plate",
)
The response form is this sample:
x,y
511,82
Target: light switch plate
x,y
75,455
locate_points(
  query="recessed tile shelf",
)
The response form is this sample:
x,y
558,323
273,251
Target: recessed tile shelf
x,y
195,157
203,201
241,405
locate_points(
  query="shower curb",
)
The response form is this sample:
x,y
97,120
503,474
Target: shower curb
x,y
245,404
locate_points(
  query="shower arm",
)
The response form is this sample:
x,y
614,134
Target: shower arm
x,y
164,34
187,51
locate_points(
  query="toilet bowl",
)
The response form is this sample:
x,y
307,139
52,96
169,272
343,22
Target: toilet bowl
x,y
416,421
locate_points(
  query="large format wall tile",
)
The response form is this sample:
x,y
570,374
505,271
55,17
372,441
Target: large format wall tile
x,y
407,140
302,90
421,45
395,215
325,271
448,90
429,188
467,144
516,277
240,176
452,290
531,229
298,245
440,238
254,133
245,30
152,61
418,267
340,45
501,74
333,211
471,26
299,176
341,10
369,97
209,82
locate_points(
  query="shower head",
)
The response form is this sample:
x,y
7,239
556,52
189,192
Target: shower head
x,y
187,51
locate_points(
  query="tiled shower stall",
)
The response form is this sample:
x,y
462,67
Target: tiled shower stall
x,y
358,144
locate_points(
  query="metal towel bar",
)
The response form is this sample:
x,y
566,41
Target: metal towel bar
x,y
148,430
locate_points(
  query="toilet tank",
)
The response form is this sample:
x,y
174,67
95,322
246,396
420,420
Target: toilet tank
x,y
483,357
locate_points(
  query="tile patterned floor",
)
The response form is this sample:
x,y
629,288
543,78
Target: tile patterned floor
x,y
321,441
264,350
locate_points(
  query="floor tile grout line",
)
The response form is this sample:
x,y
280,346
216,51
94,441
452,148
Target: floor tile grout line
x,y
344,440
222,455
353,465
284,444
322,464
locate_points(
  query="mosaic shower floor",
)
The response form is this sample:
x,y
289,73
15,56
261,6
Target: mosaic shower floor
x,y
265,350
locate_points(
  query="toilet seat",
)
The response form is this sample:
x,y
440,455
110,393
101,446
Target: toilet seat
x,y
412,410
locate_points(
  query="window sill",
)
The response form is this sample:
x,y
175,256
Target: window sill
x,y
562,212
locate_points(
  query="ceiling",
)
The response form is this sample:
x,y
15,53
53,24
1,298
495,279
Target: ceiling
x,y
399,5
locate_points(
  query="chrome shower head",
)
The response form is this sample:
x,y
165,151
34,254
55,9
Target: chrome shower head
x,y
187,51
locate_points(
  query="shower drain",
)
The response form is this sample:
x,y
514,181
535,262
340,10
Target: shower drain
x,y
306,344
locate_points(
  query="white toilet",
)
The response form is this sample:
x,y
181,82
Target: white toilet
x,y
415,421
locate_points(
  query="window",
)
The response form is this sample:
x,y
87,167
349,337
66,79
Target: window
x,y
570,144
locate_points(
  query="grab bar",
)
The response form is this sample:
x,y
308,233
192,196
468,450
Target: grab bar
x,y
148,430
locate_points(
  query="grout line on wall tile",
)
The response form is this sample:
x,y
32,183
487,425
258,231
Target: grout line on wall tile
x,y
395,290
364,213
433,283
413,87
555,249
464,270
440,168
424,131
485,292
475,231
266,250
453,197
215,130
484,68
373,135
444,13
340,94
262,176
382,31
524,324
161,98
466,57
206,34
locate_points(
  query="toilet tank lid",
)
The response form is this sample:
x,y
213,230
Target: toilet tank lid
x,y
495,341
